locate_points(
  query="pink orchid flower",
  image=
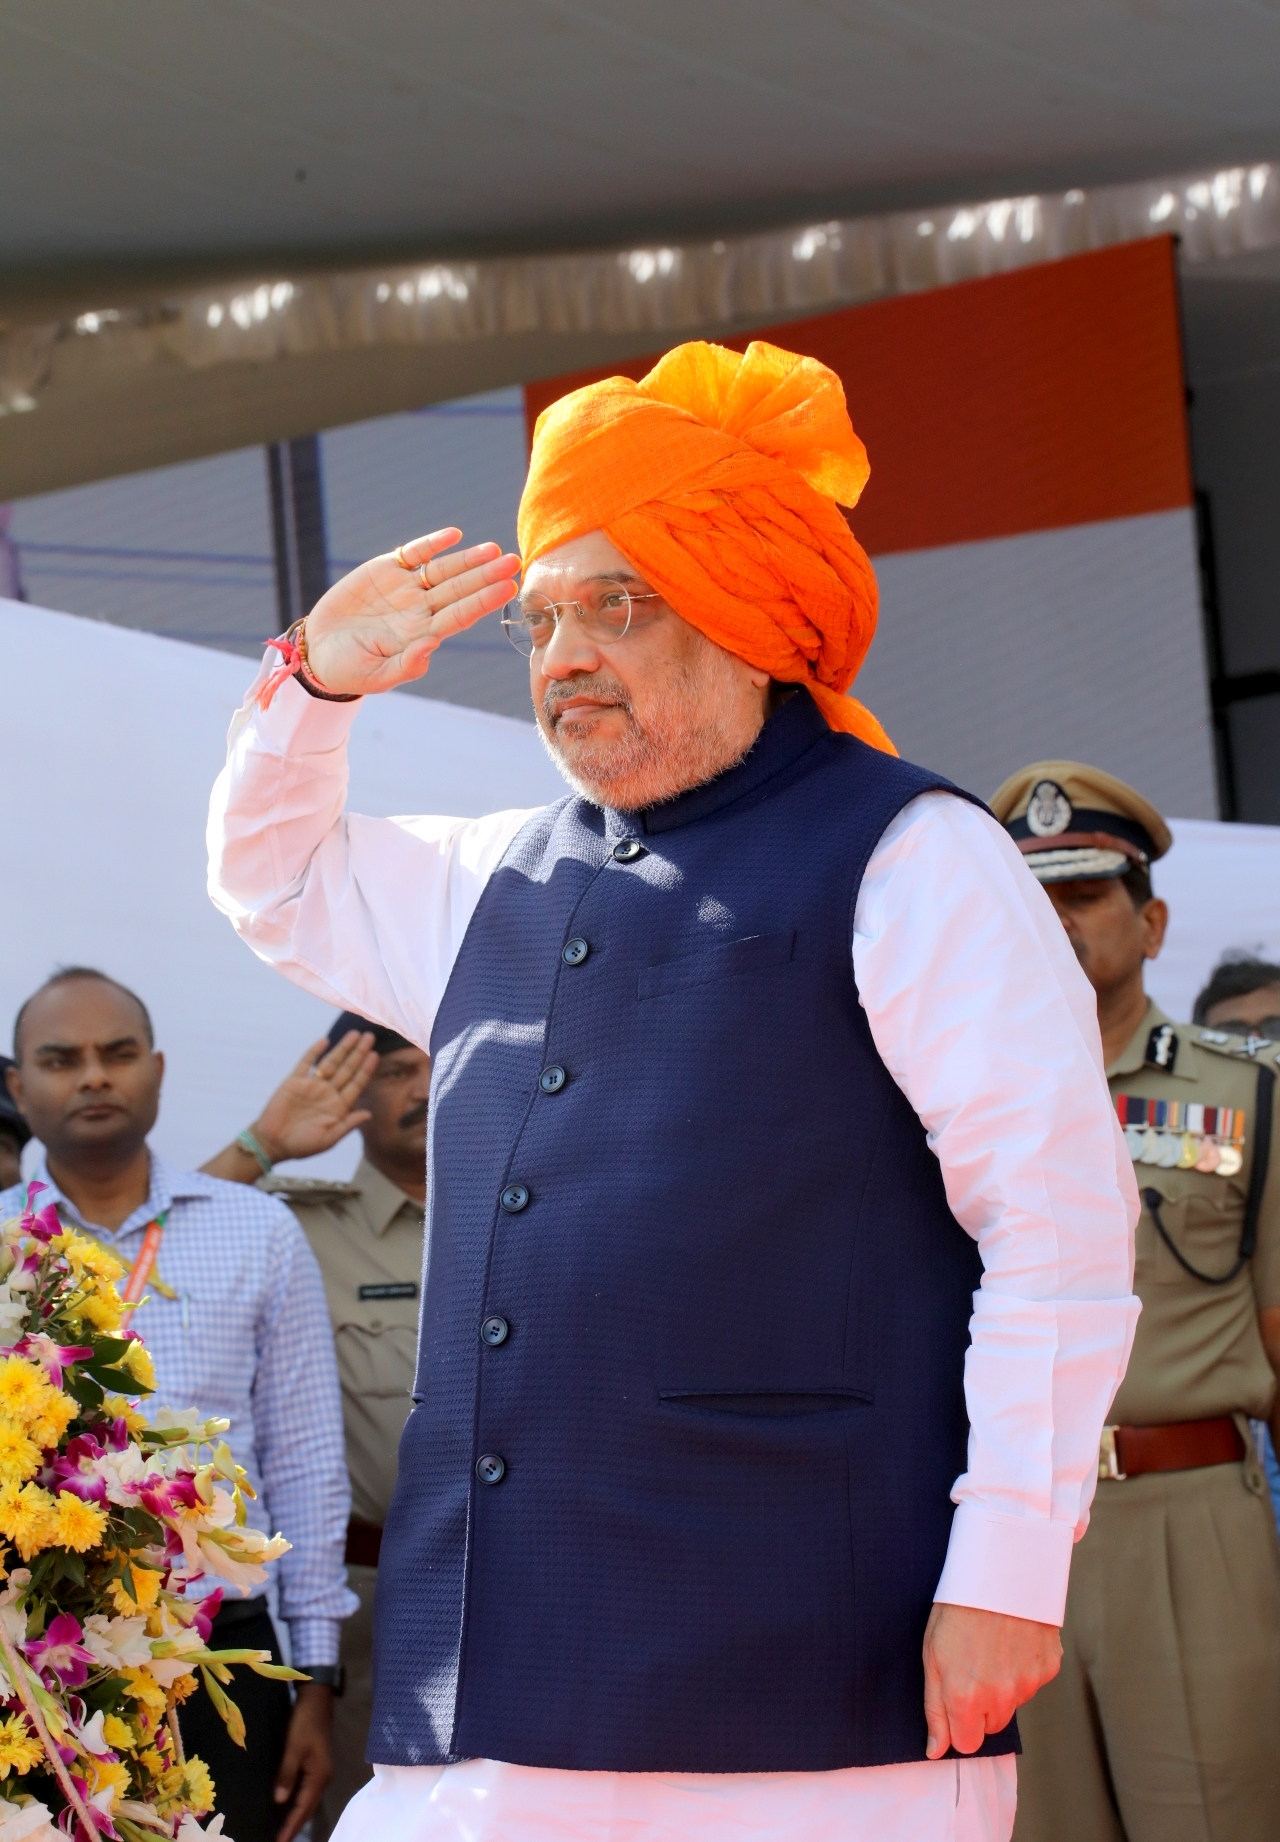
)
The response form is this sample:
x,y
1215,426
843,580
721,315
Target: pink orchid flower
x,y
100,1804
42,1227
55,1357
206,1611
169,1498
59,1652
74,1471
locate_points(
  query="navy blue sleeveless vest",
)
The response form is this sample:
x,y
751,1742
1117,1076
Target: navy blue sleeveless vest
x,y
674,1494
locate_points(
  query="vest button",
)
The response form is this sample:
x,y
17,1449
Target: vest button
x,y
628,850
514,1198
491,1469
551,1080
575,951
494,1331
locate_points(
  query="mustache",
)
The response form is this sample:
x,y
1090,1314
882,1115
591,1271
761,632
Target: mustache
x,y
583,684
414,1117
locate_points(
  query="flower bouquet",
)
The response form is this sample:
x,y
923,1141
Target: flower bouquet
x,y
106,1518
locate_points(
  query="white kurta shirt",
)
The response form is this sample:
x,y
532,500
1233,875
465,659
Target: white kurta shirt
x,y
986,1022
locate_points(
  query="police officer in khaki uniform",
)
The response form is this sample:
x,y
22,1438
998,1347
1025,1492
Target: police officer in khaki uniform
x,y
1164,1724
367,1236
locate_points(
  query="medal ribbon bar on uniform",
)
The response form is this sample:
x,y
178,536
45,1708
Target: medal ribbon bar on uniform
x,y
1183,1135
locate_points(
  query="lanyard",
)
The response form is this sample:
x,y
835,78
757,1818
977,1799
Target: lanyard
x,y
140,1272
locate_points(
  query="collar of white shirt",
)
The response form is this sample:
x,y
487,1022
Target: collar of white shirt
x,y
169,1184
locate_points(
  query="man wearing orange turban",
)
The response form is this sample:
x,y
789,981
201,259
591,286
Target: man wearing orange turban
x,y
780,1231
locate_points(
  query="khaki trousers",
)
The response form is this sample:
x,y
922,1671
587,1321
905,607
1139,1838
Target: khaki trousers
x,y
1164,1724
353,1709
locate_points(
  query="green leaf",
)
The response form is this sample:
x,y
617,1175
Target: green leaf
x,y
82,1388
109,1349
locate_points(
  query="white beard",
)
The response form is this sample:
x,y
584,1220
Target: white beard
x,y
691,731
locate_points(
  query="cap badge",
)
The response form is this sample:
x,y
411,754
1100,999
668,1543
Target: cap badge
x,y
1049,811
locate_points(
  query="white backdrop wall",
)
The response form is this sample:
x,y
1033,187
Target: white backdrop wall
x,y
112,739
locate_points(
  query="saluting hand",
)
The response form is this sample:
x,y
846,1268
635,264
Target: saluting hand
x,y
315,1107
378,627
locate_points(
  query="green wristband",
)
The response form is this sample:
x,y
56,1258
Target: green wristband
x,y
249,1143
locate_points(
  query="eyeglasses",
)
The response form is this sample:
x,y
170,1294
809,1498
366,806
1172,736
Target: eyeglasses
x,y
605,614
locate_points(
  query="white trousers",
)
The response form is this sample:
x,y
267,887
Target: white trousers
x,y
969,1800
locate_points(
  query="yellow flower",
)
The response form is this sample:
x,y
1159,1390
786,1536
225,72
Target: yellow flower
x,y
85,1255
137,1362
104,1312
103,1773
153,1762
145,1690
183,1687
117,1408
19,1749
119,1733
147,1582
27,1517
186,1787
77,1524
22,1389
19,1456
57,1412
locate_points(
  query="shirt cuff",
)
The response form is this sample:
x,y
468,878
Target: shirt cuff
x,y
295,723
314,1640
1017,1565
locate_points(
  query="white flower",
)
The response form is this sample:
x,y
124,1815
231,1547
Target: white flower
x,y
119,1643
90,1735
189,1830
13,1311
142,1814
32,1822
122,1472
183,1639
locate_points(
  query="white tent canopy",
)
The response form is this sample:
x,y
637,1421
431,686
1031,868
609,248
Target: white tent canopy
x,y
113,740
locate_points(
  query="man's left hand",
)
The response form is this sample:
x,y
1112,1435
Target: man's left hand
x,y
307,1765
979,1668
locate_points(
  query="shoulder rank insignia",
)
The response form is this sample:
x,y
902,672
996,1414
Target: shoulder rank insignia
x,y
1183,1134
1222,1042
1162,1046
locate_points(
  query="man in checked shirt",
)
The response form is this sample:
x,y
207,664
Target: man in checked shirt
x,y
237,1325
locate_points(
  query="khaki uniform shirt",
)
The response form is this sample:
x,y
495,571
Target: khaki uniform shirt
x,y
367,1237
1198,1352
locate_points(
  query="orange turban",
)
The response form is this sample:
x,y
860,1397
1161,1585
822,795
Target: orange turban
x,y
720,476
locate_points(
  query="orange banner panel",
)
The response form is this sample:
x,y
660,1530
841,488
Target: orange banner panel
x,y
1048,397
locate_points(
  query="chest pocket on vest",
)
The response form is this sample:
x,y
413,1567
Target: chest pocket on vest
x,y
731,959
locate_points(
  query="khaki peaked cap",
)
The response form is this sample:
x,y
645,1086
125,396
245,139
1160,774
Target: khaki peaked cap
x,y
1075,823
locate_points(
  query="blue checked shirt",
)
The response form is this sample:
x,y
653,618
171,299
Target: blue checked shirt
x,y
248,1338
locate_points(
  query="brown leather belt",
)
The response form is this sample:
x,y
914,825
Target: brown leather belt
x,y
364,1540
1128,1451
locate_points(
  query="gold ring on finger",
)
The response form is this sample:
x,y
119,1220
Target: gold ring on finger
x,y
422,577
402,559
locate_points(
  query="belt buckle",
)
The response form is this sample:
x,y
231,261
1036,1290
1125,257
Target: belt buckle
x,y
1109,1457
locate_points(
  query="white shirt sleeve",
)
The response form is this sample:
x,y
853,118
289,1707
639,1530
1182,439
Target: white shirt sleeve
x,y
984,1019
366,913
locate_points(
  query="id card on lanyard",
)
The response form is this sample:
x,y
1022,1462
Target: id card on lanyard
x,y
140,1272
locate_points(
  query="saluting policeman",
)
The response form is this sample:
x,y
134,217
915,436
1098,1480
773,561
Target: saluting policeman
x,y
367,1237
1164,1724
